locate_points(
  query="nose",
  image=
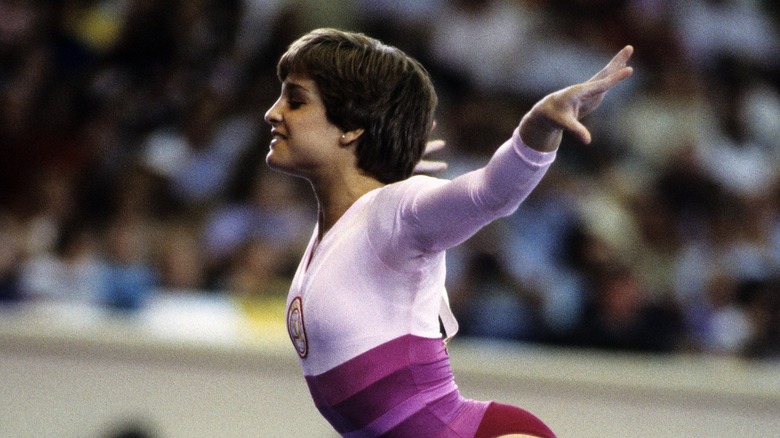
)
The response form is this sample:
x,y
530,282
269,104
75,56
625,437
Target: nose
x,y
273,116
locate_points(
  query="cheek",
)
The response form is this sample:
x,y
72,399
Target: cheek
x,y
313,137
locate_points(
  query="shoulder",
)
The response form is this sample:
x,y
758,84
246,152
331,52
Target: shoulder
x,y
391,212
418,181
401,196
412,185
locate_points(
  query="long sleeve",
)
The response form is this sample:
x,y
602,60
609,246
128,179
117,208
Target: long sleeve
x,y
446,214
421,217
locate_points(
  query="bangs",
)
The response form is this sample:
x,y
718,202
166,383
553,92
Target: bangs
x,y
316,54
304,62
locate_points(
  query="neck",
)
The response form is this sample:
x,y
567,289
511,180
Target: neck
x,y
336,196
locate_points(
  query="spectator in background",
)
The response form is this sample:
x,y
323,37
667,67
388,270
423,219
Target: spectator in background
x,y
129,276
709,29
257,273
10,259
762,304
73,273
480,41
179,258
536,243
197,157
492,304
619,315
271,215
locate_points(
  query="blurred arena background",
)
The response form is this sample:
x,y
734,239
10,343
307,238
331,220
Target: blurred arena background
x,y
133,186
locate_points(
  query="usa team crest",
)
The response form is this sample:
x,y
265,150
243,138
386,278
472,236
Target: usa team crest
x,y
296,328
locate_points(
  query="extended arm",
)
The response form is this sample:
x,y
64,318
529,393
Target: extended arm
x,y
445,215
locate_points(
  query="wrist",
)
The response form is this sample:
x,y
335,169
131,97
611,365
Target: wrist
x,y
538,135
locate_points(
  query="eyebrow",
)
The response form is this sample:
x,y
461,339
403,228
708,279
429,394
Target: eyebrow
x,y
292,87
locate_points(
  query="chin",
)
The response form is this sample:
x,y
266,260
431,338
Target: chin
x,y
272,162
277,165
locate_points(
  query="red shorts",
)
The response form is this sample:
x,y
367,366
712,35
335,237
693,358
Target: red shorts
x,y
501,419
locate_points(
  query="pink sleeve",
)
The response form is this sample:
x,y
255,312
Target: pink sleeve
x,y
446,214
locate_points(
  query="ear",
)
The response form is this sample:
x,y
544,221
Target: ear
x,y
349,137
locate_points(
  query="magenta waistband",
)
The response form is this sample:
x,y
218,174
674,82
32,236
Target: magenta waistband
x,y
406,409
375,391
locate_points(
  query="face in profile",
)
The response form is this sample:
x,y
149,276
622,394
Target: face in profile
x,y
303,137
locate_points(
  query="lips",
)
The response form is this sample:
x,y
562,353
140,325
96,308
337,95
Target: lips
x,y
277,135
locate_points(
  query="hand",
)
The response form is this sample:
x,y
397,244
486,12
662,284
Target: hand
x,y
542,128
431,166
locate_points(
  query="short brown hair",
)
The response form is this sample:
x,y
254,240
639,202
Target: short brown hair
x,y
367,84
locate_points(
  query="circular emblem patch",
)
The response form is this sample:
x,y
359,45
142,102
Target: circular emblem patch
x,y
296,328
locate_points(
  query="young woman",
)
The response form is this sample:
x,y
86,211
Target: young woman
x,y
363,310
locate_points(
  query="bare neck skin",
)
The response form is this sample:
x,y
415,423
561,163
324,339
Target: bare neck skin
x,y
337,190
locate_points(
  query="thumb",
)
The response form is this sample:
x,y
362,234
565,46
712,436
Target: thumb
x,y
578,129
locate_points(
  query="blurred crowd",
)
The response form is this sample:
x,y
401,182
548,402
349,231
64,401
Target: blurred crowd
x,y
132,152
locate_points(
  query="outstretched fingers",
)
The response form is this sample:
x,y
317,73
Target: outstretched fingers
x,y
434,146
617,63
600,86
428,166
559,112
591,93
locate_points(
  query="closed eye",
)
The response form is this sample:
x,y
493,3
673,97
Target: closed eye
x,y
295,94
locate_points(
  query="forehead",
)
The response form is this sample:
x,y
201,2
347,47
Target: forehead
x,y
299,84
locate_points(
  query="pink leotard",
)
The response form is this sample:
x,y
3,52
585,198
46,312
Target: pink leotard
x,y
363,309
